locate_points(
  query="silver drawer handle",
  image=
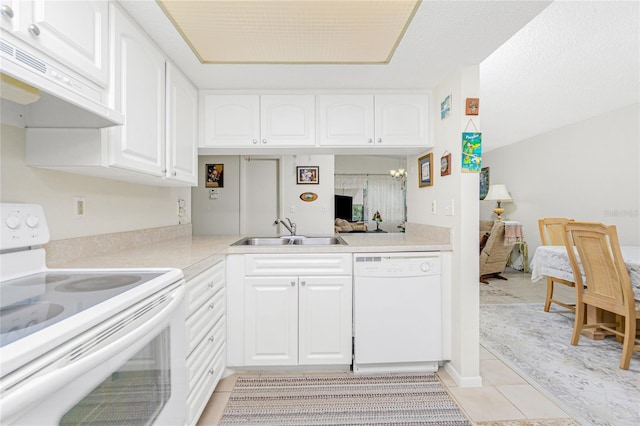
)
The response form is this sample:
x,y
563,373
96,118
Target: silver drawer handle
x,y
370,140
211,284
6,11
293,283
33,29
211,306
212,339
303,283
264,141
379,140
211,372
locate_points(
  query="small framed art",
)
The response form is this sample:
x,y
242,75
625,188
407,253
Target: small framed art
x,y
214,177
425,167
473,106
445,164
307,175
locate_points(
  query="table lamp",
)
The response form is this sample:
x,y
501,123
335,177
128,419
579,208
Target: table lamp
x,y
498,193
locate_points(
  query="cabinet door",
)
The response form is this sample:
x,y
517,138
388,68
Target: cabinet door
x,y
287,120
230,120
325,320
138,70
401,120
10,17
271,321
182,128
73,32
345,120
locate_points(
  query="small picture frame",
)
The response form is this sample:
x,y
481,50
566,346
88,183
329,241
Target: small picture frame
x,y
473,106
425,173
214,176
307,175
445,165
445,107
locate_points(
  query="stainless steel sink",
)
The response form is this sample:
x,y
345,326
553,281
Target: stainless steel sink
x,y
283,241
262,241
319,241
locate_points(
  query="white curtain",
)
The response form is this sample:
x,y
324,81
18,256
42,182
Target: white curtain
x,y
384,194
376,192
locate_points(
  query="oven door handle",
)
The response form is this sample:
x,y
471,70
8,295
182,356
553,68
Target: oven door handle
x,y
119,351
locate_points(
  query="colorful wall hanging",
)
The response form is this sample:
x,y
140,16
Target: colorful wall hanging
x,y
471,152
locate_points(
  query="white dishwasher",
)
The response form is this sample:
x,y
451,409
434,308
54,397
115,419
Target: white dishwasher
x,y
397,312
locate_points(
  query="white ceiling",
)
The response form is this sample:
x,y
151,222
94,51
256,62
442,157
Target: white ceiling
x,y
574,60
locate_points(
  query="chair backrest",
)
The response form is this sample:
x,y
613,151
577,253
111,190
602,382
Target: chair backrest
x,y
608,285
552,230
493,258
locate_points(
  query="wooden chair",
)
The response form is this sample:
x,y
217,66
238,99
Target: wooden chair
x,y
608,286
552,234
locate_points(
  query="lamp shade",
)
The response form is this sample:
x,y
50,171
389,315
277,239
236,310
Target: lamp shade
x,y
498,192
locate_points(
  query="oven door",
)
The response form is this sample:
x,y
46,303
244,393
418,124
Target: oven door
x,y
129,370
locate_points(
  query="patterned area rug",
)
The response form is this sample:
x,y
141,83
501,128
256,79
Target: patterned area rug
x,y
389,399
584,380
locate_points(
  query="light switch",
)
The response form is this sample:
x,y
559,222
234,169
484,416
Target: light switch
x,y
213,194
433,207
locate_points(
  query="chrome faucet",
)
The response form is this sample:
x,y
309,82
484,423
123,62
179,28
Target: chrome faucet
x,y
291,227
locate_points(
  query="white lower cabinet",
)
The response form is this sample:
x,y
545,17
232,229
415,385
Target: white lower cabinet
x,y
206,335
302,320
294,310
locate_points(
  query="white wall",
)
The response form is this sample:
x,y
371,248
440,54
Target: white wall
x,y
586,171
460,190
111,206
368,164
222,216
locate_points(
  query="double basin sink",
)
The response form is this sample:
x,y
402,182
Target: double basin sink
x,y
290,240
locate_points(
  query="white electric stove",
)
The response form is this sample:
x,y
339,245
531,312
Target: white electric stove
x,y
69,337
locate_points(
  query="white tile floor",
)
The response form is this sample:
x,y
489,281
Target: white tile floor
x,y
504,394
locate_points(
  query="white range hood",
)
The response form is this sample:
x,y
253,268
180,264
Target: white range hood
x,y
64,100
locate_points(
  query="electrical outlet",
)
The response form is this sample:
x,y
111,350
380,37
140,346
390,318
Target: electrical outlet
x,y
448,209
433,207
78,207
213,194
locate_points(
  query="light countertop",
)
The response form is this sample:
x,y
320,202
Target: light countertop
x,y
195,254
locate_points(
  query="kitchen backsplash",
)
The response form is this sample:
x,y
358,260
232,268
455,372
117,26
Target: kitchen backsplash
x,y
66,250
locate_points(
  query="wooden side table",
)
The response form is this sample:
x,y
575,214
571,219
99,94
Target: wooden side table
x,y
521,246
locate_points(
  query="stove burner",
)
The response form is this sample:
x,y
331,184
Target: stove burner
x,y
99,283
20,317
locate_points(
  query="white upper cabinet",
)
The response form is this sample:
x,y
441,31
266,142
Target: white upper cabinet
x,y
182,128
138,89
9,14
401,120
287,120
373,120
72,32
346,120
230,120
234,121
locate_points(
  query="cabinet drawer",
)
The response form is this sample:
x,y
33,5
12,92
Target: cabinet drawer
x,y
201,357
198,324
302,264
203,286
205,385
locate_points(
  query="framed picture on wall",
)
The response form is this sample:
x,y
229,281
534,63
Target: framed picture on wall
x,y
214,177
445,164
425,169
307,175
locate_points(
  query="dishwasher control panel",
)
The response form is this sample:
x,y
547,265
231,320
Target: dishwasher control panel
x,y
396,264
